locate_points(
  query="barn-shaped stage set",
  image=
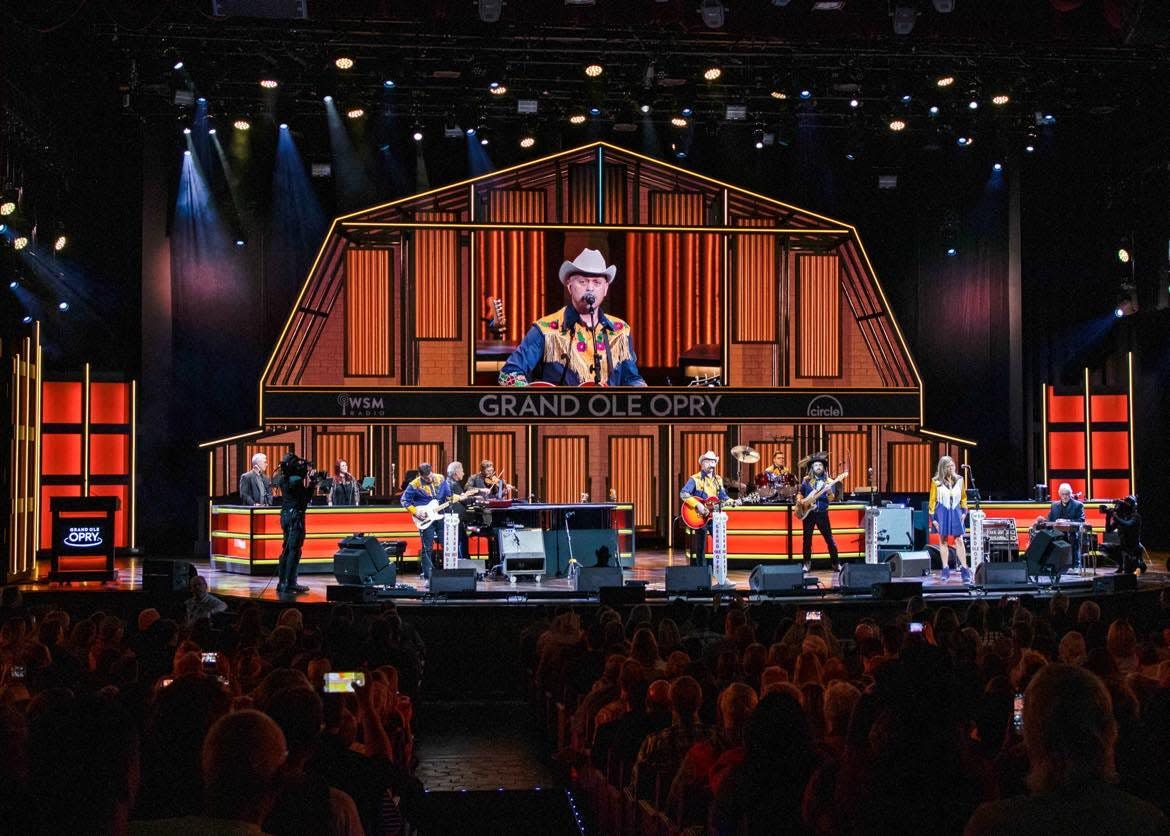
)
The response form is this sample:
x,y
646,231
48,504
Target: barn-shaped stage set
x,y
754,322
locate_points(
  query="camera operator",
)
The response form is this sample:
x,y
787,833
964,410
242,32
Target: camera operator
x,y
297,481
1124,518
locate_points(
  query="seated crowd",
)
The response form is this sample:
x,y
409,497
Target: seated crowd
x,y
760,720
206,723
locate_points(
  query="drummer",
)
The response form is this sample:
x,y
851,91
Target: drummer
x,y
776,471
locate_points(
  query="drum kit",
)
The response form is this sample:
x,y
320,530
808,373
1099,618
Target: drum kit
x,y
770,487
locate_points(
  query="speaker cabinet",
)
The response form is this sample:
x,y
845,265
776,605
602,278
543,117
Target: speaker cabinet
x,y
936,560
1109,584
593,578
522,551
166,577
780,577
452,580
864,576
684,579
909,564
363,561
1001,574
1048,554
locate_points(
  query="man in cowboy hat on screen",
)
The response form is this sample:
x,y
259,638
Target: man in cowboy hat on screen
x,y
577,344
702,486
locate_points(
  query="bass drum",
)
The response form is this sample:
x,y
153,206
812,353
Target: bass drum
x,y
787,483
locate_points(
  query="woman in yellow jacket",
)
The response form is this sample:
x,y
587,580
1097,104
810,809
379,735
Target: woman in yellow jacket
x,y
948,515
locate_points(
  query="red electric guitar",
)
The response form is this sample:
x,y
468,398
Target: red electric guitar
x,y
696,519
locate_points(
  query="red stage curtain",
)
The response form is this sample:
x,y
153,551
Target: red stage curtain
x,y
436,279
368,312
499,447
333,446
631,468
850,449
756,284
818,317
909,466
510,263
673,283
565,466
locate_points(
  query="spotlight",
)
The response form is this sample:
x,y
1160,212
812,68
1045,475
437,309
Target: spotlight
x,y
483,140
849,155
595,111
1118,312
973,105
934,110
806,93
178,65
60,242
997,167
906,97
758,137
8,204
470,132
645,108
778,94
594,69
577,119
211,131
527,140
242,125
687,111
897,125
62,306
327,99
854,103
965,141
27,320
678,121
497,89
201,100
418,133
355,113
944,80
187,153
269,83
951,252
1000,99
1123,255
13,285
284,126
3,228
1029,147
713,12
186,131
712,72
681,154
240,242
388,84
344,62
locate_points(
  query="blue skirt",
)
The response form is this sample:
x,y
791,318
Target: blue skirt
x,y
949,520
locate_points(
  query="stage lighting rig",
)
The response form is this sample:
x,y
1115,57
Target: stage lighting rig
x,y
594,69
343,62
19,242
944,81
9,200
269,83
712,72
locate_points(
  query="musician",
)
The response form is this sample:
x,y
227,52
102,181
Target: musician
x,y
455,487
1071,509
492,483
255,487
947,507
1124,518
577,344
345,487
420,491
702,486
817,477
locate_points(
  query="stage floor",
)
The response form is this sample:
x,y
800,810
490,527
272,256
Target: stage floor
x,y
650,568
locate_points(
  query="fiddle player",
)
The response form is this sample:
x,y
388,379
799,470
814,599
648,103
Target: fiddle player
x,y
494,484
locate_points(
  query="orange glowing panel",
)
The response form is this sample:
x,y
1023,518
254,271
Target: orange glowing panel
x,y
47,493
850,451
61,454
368,312
350,447
62,402
1066,409
910,467
511,263
1110,450
1110,488
818,317
436,276
109,454
496,447
122,515
1066,451
565,468
755,283
109,403
1114,408
631,468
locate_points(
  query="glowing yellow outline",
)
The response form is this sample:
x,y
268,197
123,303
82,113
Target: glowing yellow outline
x,y
1044,426
520,227
235,437
1088,436
946,437
37,454
1129,403
133,464
85,435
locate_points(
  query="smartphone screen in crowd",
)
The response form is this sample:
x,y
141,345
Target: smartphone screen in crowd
x,y
1018,712
342,682
915,626
812,615
210,662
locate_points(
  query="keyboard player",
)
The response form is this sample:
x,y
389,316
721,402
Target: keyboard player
x,y
1067,515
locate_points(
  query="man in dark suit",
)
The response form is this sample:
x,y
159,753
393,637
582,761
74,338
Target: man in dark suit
x,y
1071,509
255,487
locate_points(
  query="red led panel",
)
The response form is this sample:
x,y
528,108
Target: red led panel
x,y
1110,450
109,454
62,402
1066,408
47,493
122,515
1109,408
109,403
1066,451
1110,488
61,454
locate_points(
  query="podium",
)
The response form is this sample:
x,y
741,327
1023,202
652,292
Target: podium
x,y
82,547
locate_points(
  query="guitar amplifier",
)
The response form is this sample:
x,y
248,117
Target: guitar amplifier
x,y
521,551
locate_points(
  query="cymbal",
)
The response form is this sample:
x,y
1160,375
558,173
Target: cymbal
x,y
745,454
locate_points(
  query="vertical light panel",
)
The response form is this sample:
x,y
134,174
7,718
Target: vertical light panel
x,y
756,284
818,316
695,444
409,454
368,313
767,449
511,261
909,466
497,447
436,279
565,468
329,447
631,469
850,449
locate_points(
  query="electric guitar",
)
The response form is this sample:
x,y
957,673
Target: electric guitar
x,y
425,515
804,507
695,519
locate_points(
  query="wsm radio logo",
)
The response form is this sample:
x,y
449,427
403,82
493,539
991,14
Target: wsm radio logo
x,y
825,406
360,406
83,537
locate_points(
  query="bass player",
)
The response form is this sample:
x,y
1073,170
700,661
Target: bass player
x,y
704,485
817,479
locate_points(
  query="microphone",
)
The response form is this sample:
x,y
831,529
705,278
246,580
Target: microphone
x,y
590,299
569,514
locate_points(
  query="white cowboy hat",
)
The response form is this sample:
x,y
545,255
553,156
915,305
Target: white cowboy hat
x,y
710,454
588,263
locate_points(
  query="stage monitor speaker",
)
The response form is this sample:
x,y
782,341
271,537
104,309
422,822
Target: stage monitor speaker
x,y
593,578
1001,574
684,579
897,590
778,577
362,561
522,551
166,577
1110,584
909,564
864,576
935,553
1048,554
893,527
452,580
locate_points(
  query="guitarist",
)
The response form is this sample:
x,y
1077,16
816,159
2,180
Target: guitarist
x,y
577,344
420,491
816,478
702,486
